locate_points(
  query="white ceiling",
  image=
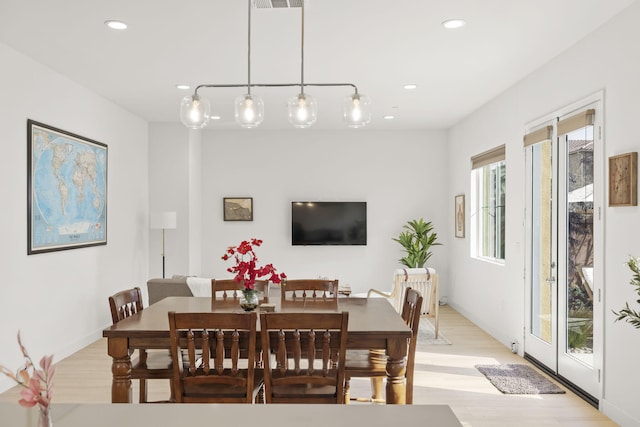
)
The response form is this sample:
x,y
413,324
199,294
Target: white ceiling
x,y
377,45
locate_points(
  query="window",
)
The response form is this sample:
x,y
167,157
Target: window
x,y
489,175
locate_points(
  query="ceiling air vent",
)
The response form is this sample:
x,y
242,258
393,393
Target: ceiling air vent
x,y
276,4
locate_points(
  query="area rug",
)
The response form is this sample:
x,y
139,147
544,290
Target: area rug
x,y
427,335
518,379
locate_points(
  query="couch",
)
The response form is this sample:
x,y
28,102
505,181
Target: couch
x,y
162,288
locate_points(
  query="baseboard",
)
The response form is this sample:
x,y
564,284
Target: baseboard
x,y
617,415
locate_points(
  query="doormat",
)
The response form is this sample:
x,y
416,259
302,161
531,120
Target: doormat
x,y
427,334
518,379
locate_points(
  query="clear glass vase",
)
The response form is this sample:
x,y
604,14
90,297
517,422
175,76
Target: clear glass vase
x,y
249,300
44,418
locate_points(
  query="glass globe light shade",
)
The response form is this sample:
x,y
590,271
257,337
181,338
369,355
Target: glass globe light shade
x,y
303,110
249,110
356,110
195,111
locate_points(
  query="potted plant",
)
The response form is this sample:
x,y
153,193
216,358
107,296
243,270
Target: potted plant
x,y
417,240
627,313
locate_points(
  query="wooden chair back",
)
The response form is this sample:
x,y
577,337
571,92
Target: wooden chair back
x,y
229,291
304,292
209,349
411,310
149,365
125,303
307,356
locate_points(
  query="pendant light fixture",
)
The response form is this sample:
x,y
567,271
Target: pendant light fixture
x,y
303,109
249,109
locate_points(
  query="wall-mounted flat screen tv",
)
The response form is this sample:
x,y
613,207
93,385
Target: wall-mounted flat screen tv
x,y
329,223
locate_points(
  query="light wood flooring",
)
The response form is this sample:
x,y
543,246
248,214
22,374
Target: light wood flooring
x,y
444,374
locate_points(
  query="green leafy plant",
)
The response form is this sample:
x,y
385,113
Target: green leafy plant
x,y
627,313
416,240
580,334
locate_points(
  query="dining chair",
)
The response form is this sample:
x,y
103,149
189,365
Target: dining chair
x,y
425,280
372,363
229,291
303,292
150,364
307,351
215,353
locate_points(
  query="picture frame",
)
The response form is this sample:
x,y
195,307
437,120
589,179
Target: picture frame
x,y
237,208
66,190
459,215
623,180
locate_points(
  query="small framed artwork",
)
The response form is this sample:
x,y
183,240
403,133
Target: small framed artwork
x,y
623,180
459,215
238,208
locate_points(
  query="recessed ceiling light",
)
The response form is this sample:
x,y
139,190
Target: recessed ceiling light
x,y
183,87
115,25
389,117
410,86
454,23
214,117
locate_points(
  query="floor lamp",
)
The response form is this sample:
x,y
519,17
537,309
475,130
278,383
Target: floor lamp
x,y
164,221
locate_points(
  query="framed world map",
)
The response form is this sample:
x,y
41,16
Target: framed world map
x,y
67,190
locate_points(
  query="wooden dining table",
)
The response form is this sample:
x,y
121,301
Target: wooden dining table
x,y
373,324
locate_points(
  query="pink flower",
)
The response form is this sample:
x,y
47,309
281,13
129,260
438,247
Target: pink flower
x,y
37,383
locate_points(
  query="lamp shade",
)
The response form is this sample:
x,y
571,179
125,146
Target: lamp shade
x,y
195,111
355,110
303,110
249,110
163,220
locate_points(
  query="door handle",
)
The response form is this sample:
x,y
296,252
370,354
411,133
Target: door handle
x,y
550,280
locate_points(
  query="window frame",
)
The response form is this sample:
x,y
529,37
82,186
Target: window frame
x,y
489,193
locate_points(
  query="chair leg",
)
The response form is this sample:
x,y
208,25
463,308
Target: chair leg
x,y
143,391
347,385
376,388
172,397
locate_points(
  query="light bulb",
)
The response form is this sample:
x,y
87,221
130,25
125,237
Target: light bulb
x,y
195,115
356,112
249,110
301,111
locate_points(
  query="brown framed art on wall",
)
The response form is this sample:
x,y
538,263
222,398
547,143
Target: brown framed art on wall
x,y
459,215
623,180
238,208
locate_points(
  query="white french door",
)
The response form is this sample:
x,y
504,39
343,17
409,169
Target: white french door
x,y
564,255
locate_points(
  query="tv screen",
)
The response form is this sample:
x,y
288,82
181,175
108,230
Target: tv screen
x,y
329,223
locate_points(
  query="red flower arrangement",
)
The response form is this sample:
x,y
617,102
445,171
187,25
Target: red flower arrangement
x,y
246,270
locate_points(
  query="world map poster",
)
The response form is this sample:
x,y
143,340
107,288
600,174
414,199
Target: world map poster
x,y
67,182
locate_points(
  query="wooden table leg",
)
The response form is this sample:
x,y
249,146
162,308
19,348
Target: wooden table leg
x,y
396,367
118,349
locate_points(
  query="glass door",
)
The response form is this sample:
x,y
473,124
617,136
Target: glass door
x,y
576,258
563,175
541,338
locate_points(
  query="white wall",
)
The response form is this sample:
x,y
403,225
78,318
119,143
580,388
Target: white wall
x,y
492,296
59,300
398,174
